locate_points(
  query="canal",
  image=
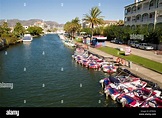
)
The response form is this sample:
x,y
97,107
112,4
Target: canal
x,y
44,74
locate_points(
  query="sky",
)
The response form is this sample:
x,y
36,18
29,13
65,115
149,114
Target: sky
x,y
61,11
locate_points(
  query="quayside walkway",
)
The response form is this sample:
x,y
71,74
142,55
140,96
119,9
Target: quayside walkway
x,y
142,53
138,70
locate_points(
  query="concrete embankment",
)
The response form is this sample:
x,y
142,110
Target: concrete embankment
x,y
62,37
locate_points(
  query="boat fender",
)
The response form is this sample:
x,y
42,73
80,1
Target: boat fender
x,y
107,92
118,60
123,101
106,81
125,90
122,61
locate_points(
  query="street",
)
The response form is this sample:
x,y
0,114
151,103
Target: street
x,y
143,53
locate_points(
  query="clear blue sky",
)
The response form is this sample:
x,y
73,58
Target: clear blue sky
x,y
60,11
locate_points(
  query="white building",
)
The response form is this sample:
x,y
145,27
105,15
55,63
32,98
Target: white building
x,y
40,24
143,12
106,23
110,22
26,27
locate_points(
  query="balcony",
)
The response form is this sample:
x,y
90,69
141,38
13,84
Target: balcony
x,y
159,19
151,20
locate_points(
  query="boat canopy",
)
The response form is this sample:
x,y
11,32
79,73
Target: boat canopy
x,y
113,79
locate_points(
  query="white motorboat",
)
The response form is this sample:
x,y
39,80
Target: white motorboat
x,y
27,37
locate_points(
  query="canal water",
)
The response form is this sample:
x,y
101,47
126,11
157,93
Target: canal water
x,y
44,74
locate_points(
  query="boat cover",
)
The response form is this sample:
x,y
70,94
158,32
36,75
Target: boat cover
x,y
113,79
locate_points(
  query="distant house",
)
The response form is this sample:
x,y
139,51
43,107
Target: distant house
x,y
110,22
106,23
40,24
26,27
12,29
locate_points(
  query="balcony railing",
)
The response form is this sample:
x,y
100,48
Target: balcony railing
x,y
159,19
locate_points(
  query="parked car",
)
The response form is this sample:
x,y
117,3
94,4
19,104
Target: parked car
x,y
112,41
118,41
134,44
145,46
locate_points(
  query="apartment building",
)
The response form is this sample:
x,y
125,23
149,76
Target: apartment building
x,y
106,23
143,12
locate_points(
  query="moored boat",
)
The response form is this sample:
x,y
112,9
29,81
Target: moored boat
x,y
109,68
153,102
27,38
69,43
138,97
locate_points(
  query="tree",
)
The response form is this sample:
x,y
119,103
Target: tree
x,y
75,26
5,30
19,30
67,27
35,30
120,23
1,31
54,29
87,30
99,30
93,18
72,27
159,31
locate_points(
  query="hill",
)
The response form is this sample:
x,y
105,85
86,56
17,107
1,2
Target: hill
x,y
12,22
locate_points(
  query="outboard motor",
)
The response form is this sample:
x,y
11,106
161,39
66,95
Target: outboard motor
x,y
156,86
106,81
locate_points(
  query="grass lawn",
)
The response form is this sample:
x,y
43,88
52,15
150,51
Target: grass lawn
x,y
79,40
134,58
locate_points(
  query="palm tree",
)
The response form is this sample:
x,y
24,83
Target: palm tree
x,y
75,26
93,18
72,27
